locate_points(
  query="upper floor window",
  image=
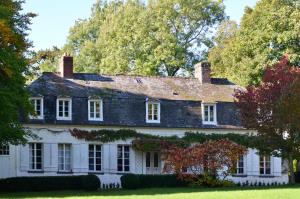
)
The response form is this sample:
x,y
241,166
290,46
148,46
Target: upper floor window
x,y
209,114
265,165
38,106
35,156
4,149
152,112
95,110
64,109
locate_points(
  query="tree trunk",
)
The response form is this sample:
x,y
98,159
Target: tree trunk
x,y
291,170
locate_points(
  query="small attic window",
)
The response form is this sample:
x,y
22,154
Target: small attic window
x,y
209,113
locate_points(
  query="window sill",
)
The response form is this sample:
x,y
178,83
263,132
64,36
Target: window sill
x,y
153,122
239,175
65,172
33,171
96,172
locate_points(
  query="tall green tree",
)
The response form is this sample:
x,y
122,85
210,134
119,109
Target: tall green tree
x,y
47,60
13,68
162,37
266,33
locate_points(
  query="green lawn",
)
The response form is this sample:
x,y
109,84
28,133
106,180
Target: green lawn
x,y
285,192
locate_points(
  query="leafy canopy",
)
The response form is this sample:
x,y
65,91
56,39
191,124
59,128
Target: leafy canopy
x,y
162,37
266,33
13,67
272,108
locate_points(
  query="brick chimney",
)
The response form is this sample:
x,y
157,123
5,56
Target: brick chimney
x,y
202,72
66,66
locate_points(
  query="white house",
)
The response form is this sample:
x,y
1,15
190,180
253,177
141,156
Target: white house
x,y
163,106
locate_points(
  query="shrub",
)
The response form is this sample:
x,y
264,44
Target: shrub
x,y
134,181
130,181
50,183
297,176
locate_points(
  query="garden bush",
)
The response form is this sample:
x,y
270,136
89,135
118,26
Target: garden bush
x,y
297,176
135,181
50,183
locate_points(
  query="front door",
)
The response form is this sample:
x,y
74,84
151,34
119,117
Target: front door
x,y
153,163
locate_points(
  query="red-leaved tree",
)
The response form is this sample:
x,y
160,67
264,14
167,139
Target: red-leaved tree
x,y
213,157
273,109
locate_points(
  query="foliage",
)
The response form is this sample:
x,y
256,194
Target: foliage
x,y
273,109
209,158
161,37
50,183
13,66
207,180
147,142
138,181
47,60
267,32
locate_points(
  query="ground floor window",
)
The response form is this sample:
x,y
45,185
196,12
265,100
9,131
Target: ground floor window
x,y
94,157
35,156
64,157
4,149
265,165
240,165
123,158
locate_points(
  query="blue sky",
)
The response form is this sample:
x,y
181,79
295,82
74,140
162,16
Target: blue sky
x,y
55,17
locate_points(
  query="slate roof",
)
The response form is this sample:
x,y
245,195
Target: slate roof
x,y
170,88
124,99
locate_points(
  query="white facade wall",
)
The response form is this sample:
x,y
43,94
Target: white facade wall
x,y
17,163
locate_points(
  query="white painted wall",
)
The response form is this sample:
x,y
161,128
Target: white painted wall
x,y
17,163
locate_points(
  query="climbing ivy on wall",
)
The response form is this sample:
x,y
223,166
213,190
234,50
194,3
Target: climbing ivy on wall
x,y
146,142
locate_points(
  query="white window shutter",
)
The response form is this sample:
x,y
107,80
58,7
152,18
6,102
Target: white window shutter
x,y
24,157
84,157
276,165
76,157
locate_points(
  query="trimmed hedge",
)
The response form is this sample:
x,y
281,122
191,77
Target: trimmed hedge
x,y
136,181
50,183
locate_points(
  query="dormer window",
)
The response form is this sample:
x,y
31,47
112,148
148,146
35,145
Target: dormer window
x,y
64,109
209,114
37,103
152,112
95,110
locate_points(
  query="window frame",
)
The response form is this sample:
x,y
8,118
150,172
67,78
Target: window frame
x,y
158,112
34,149
95,157
214,105
123,158
5,150
238,166
70,109
100,113
64,170
264,165
41,116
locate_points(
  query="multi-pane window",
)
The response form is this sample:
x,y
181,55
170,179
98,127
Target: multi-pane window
x,y
4,149
64,109
95,110
152,112
64,157
35,156
94,157
123,158
240,165
37,104
265,165
209,114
